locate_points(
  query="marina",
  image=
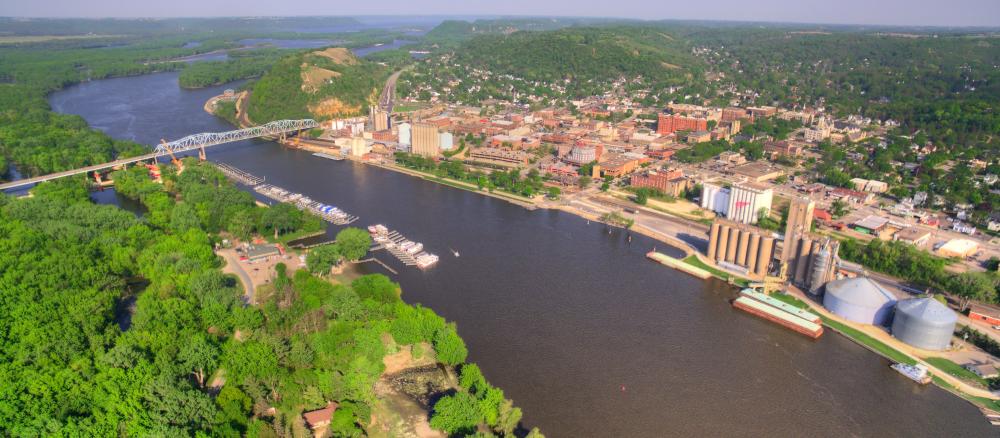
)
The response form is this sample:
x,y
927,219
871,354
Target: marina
x,y
238,175
329,213
407,251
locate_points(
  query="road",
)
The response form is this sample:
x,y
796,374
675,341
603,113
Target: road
x,y
233,266
389,92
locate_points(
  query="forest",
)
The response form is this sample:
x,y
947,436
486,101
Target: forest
x,y
341,88
191,357
241,65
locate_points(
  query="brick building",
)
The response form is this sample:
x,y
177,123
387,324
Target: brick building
x,y
670,123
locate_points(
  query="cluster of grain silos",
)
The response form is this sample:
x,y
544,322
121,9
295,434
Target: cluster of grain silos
x,y
924,323
740,245
810,260
859,300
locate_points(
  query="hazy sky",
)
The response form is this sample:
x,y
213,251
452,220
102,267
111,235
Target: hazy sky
x,y
896,12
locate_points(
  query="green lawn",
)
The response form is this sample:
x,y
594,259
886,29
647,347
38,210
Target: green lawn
x,y
955,370
723,275
869,341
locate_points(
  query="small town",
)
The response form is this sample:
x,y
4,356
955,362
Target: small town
x,y
431,226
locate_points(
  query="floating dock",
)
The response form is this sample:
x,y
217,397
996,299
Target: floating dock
x,y
329,157
407,251
778,316
679,265
239,175
781,305
329,213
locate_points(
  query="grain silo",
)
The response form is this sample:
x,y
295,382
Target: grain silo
x,y
924,323
859,300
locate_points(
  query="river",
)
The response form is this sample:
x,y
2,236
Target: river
x,y
573,323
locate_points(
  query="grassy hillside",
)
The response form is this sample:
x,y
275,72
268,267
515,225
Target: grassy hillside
x,y
323,84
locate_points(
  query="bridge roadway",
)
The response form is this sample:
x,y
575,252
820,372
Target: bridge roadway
x,y
189,143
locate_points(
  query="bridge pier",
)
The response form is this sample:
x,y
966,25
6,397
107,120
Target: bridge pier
x,y
201,154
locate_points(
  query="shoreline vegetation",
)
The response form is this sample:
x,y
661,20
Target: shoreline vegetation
x,y
244,370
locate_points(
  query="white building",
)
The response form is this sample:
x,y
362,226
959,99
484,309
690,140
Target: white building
x,y
715,197
446,141
741,203
404,133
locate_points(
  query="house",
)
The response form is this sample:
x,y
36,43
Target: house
x,y
320,417
915,236
984,370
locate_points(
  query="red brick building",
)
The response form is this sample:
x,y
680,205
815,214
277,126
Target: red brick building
x,y
670,123
670,182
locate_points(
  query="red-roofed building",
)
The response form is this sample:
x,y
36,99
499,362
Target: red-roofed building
x,y
320,417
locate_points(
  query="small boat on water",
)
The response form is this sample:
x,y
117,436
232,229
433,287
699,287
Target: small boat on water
x,y
454,252
918,373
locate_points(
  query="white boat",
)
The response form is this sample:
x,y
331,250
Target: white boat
x,y
454,252
918,373
426,261
415,248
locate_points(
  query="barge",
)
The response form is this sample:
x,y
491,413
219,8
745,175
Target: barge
x,y
329,157
781,317
781,305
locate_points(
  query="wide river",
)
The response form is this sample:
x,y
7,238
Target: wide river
x,y
575,324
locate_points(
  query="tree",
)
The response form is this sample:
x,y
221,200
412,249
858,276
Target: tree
x,y
583,182
449,346
554,192
242,224
281,218
353,243
198,356
322,258
535,433
508,419
838,208
973,286
641,197
605,186
377,287
457,414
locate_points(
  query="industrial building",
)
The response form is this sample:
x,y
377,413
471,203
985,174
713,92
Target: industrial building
x,y
741,202
426,140
741,247
859,300
404,133
924,323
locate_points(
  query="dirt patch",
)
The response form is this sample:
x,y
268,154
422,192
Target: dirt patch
x,y
402,360
334,107
314,77
339,55
670,66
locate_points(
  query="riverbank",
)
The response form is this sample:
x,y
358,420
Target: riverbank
x,y
880,342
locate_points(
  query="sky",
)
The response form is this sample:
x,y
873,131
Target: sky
x,y
888,12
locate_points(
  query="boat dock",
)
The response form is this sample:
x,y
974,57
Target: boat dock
x,y
384,265
408,252
239,175
329,213
679,265
329,157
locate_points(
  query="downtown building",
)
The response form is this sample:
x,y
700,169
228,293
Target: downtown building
x,y
426,140
671,123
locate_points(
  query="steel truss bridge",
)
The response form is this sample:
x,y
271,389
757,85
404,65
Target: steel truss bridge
x,y
279,128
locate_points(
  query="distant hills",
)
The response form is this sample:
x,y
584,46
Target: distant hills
x,y
582,54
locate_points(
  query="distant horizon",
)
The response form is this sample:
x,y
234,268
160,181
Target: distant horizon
x,y
890,13
471,18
